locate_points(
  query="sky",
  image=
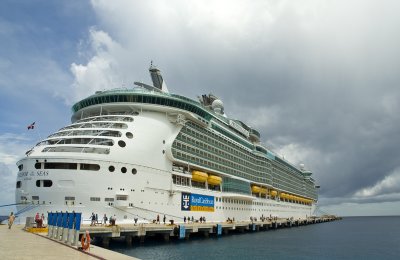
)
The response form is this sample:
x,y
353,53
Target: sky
x,y
318,79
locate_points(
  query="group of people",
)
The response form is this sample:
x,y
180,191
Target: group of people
x,y
229,220
157,220
39,220
201,219
262,218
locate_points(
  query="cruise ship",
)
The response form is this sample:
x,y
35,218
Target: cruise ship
x,y
142,152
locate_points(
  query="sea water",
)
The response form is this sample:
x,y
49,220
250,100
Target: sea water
x,y
350,238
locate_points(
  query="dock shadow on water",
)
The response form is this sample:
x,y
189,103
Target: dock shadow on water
x,y
350,238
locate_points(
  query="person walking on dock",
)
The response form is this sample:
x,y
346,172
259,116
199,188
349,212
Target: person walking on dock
x,y
158,219
105,219
164,218
11,219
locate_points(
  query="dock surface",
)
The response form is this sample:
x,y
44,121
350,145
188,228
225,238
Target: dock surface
x,y
19,244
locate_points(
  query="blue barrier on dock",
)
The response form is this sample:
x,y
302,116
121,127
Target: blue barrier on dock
x,y
65,220
59,219
254,227
219,229
181,231
78,217
71,220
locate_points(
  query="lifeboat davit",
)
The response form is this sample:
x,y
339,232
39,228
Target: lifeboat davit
x,y
199,176
214,180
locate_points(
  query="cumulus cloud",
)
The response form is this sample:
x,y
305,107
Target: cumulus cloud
x,y
102,71
318,79
390,184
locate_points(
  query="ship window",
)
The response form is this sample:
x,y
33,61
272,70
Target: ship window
x,y
129,135
89,167
20,167
18,184
69,198
38,183
94,199
111,168
121,143
35,197
134,171
38,165
108,199
122,197
123,170
64,166
47,183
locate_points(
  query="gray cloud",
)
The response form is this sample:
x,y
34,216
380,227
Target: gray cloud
x,y
318,78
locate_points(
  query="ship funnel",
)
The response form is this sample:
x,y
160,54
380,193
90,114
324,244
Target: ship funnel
x,y
157,79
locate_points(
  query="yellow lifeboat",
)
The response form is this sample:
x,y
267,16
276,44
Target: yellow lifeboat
x,y
214,180
263,191
274,193
283,195
199,176
255,189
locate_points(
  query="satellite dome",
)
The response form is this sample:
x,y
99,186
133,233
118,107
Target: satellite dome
x,y
302,166
217,106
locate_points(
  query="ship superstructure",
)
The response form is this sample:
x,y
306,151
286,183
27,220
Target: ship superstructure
x,y
141,152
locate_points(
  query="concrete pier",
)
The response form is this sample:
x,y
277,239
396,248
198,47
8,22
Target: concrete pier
x,y
16,243
167,231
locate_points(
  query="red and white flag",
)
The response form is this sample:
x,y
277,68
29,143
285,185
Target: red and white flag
x,y
31,126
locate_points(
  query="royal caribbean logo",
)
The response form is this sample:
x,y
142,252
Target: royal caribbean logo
x,y
185,201
197,202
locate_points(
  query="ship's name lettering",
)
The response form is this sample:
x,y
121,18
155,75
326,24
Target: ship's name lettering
x,y
201,200
42,173
22,174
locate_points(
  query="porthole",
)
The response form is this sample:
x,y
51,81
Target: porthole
x,y
163,151
38,165
129,135
111,168
123,170
121,143
134,171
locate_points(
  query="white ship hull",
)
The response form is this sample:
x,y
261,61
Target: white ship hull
x,y
121,158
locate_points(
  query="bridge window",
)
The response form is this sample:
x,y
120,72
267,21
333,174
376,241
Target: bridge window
x,y
89,167
61,165
18,184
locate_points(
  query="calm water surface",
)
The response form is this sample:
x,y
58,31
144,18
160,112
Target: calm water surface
x,y
350,238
